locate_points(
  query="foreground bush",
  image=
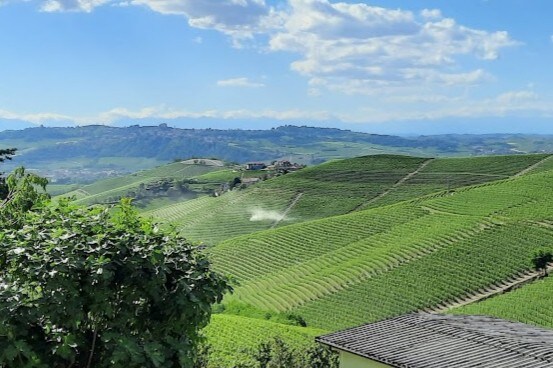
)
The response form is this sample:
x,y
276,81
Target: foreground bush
x,y
97,288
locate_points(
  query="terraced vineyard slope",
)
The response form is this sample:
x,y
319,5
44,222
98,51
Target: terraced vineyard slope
x,y
112,188
449,173
329,189
373,264
332,189
531,304
233,339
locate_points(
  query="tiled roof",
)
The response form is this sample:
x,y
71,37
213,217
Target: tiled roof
x,y
448,341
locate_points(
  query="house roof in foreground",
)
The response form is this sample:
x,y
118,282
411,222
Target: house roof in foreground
x,y
456,341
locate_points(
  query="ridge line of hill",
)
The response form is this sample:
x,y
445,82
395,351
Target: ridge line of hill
x,y
397,184
501,288
532,167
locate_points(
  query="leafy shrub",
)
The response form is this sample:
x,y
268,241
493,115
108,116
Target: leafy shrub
x,y
91,287
540,260
277,354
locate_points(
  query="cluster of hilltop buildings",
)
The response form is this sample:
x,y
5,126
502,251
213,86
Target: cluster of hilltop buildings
x,y
278,166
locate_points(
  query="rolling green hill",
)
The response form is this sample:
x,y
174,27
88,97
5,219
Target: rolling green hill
x,y
86,153
233,339
107,190
532,304
373,264
331,189
359,240
325,190
448,173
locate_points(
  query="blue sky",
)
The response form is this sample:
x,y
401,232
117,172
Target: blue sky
x,y
358,64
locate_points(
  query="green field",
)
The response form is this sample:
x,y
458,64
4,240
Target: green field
x,y
449,173
373,264
331,189
104,190
531,304
233,339
364,239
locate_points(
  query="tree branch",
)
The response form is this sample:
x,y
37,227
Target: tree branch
x,y
89,364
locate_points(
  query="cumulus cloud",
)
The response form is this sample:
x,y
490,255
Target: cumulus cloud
x,y
350,47
341,44
239,82
431,14
238,18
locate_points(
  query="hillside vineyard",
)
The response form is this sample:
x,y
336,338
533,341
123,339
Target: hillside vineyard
x,y
364,239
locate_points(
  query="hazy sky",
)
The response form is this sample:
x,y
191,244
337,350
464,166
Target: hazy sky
x,y
386,61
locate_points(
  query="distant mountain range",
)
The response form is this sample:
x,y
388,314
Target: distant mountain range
x,y
485,125
89,152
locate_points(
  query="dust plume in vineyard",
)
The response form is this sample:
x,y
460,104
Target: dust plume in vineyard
x,y
259,214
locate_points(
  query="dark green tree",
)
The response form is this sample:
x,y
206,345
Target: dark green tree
x,y
96,287
276,353
5,154
541,259
22,191
319,356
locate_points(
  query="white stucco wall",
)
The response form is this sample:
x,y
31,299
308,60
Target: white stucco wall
x,y
348,360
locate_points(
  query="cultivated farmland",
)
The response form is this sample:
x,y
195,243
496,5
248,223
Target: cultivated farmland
x,y
373,264
331,189
359,240
233,339
532,304
106,189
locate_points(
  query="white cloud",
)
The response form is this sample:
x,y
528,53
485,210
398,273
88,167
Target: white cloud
x,y
410,106
161,112
358,47
517,96
237,18
35,118
239,82
72,5
435,107
240,19
348,47
431,14
164,113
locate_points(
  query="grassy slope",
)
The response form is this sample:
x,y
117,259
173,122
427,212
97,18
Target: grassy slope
x,y
532,304
369,265
447,173
361,267
233,338
102,190
331,189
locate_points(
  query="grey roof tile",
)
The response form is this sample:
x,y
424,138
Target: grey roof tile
x,y
423,340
